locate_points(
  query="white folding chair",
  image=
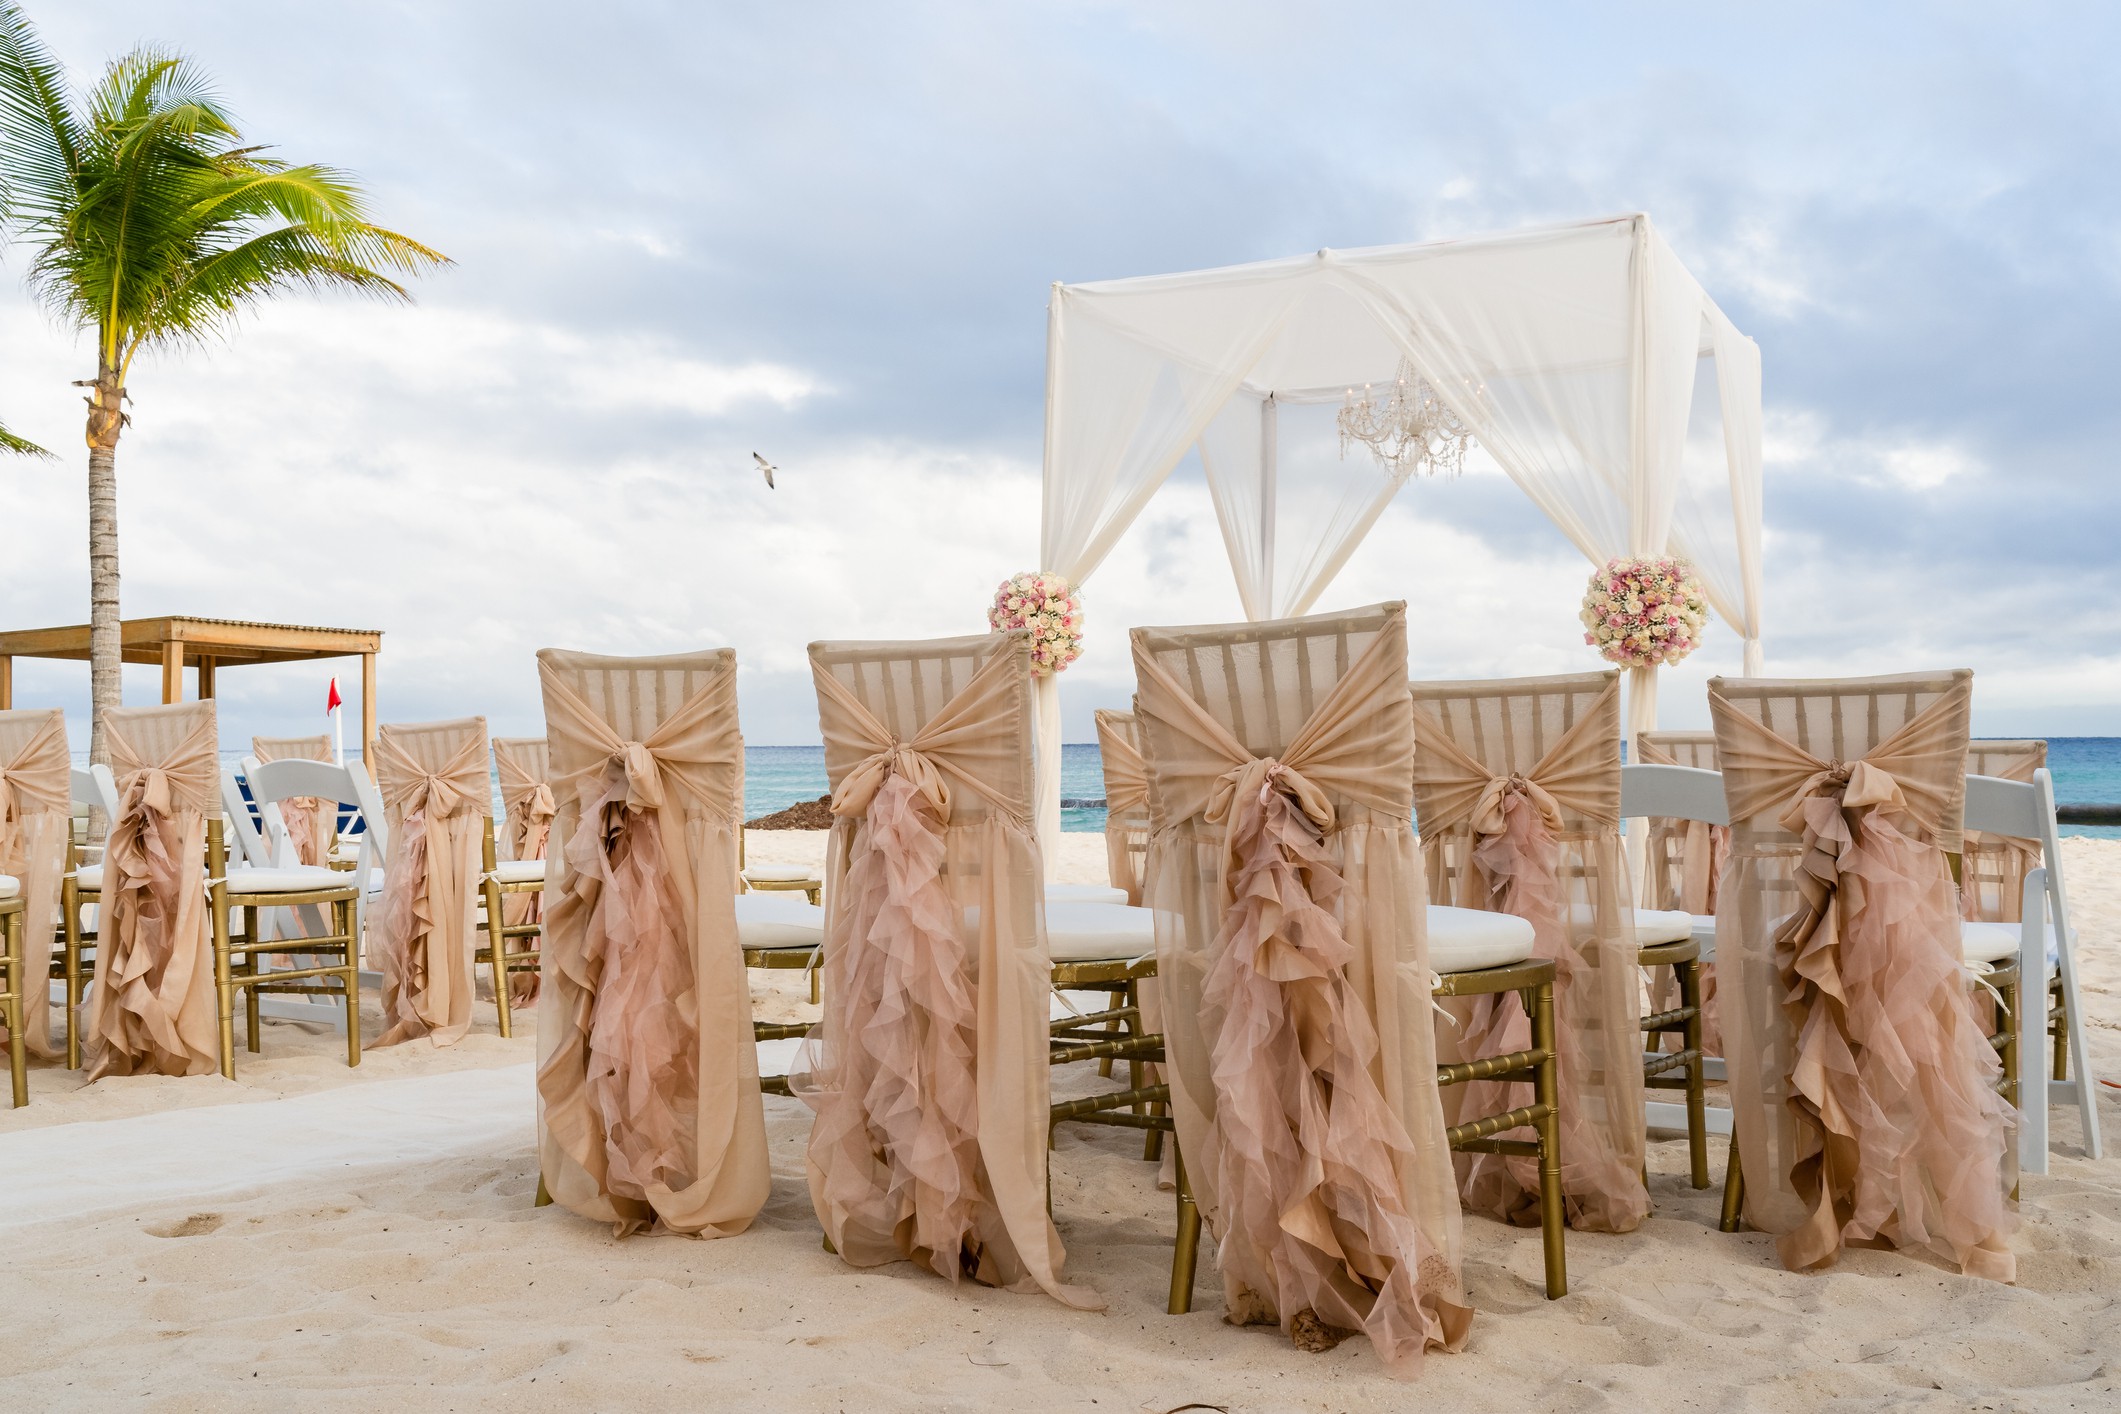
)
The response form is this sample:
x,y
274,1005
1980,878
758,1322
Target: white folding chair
x,y
2044,941
1680,793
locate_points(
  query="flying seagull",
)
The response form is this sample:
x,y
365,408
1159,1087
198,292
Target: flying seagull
x,y
766,466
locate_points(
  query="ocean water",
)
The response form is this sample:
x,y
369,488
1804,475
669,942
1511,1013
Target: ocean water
x,y
2087,770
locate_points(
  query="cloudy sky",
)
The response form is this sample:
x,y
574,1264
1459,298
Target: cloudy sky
x,y
826,231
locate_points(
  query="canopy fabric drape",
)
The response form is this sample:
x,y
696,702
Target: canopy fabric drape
x,y
1570,353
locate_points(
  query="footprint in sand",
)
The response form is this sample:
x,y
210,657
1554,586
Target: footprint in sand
x,y
197,1225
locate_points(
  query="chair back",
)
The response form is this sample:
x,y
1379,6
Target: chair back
x,y
906,686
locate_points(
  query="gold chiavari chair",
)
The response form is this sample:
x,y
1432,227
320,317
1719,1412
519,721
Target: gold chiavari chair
x,y
1517,788
1866,775
1293,959
16,981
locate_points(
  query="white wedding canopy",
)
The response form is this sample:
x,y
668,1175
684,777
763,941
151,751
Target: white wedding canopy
x,y
1571,353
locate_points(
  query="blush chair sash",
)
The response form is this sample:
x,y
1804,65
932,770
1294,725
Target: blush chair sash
x,y
1897,1133
151,1010
648,1084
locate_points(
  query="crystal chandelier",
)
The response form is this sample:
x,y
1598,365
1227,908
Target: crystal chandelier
x,y
1411,430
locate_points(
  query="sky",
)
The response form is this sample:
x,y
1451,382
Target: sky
x,y
826,232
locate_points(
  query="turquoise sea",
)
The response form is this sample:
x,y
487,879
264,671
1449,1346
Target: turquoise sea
x,y
2087,770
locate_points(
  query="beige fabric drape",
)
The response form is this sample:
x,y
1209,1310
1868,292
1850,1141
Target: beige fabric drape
x,y
36,811
1993,867
1517,785
648,1079
1861,1079
928,1071
312,823
1686,859
151,1007
1126,801
432,778
524,765
1292,951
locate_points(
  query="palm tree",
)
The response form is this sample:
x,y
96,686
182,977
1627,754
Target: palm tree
x,y
152,224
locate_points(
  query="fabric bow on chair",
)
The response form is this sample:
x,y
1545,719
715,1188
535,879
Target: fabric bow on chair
x,y
36,806
1308,1173
1899,1134
421,937
650,1110
152,1008
928,1073
1520,850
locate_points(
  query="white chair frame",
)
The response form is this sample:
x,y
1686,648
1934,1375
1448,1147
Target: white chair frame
x,y
1680,793
2026,810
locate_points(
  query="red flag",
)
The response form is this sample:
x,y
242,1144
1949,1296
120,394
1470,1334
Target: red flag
x,y
331,703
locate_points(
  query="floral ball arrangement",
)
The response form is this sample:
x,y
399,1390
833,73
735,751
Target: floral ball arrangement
x,y
1644,613
1047,605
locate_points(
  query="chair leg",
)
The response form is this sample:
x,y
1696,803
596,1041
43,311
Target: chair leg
x,y
11,932
1185,1250
1697,1111
1733,1191
225,990
251,1022
72,924
1546,1089
347,922
497,952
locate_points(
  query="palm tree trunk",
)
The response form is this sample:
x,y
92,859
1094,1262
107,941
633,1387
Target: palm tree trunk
x,y
106,419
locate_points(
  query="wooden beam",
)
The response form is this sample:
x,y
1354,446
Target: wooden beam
x,y
206,677
172,671
368,713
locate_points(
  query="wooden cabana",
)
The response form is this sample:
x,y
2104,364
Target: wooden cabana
x,y
206,645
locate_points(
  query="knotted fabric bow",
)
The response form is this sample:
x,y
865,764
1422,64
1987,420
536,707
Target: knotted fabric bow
x,y
420,938
35,808
931,1046
1900,1134
152,1008
1515,864
643,978
1311,1161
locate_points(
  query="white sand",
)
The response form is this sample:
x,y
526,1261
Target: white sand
x,y
409,1270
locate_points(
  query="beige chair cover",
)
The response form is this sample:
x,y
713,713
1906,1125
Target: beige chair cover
x,y
1292,948
928,1071
151,1007
1517,786
1862,1083
312,823
1126,801
432,778
648,1078
36,810
1993,867
524,766
1686,859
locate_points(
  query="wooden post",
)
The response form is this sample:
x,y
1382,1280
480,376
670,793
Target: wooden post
x,y
172,670
206,679
7,682
368,713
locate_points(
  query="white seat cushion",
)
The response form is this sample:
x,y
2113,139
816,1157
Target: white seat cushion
x,y
778,921
90,877
1998,942
301,878
1084,893
1098,932
1658,925
1469,939
519,871
778,874
9,886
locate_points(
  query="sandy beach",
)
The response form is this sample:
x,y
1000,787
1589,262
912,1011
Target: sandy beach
x,y
343,1268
